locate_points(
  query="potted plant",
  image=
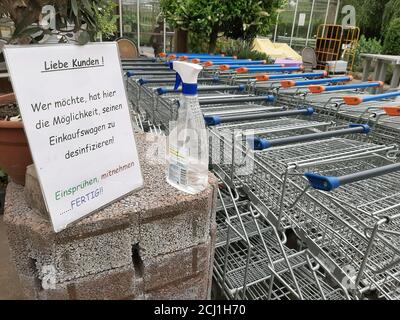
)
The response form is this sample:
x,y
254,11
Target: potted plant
x,y
79,21
14,150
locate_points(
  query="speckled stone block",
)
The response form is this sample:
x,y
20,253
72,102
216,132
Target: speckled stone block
x,y
33,193
116,283
213,236
177,265
113,284
163,234
127,250
36,248
191,288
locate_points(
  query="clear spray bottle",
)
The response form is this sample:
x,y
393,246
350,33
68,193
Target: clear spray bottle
x,y
187,143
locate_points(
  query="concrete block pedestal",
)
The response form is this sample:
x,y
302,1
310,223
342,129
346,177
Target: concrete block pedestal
x,y
154,244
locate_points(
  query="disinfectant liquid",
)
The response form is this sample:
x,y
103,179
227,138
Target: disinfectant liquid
x,y
187,143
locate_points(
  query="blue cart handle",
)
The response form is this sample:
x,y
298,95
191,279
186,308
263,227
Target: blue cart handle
x,y
216,120
356,100
262,144
329,183
320,89
143,81
228,66
267,69
238,99
293,83
241,87
210,63
268,77
236,63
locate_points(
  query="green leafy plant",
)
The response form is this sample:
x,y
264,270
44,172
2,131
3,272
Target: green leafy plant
x,y
391,44
242,49
371,45
107,19
83,17
392,11
211,19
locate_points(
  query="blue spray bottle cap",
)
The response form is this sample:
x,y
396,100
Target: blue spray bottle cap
x,y
187,74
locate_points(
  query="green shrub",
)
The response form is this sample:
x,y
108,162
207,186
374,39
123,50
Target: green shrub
x,y
241,49
198,42
231,47
247,53
392,38
392,11
365,45
107,19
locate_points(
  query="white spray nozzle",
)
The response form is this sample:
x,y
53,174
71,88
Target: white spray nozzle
x,y
188,72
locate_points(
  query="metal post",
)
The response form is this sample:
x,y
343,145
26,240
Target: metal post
x,y
165,36
138,23
377,71
294,22
396,76
367,65
121,33
327,11
337,11
276,26
309,24
382,75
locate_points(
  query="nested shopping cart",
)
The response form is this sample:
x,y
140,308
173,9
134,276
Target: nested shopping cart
x,y
294,92
253,260
165,101
143,94
262,130
344,239
229,128
380,111
354,229
309,208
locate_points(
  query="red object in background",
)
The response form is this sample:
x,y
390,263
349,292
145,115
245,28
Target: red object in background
x,y
15,155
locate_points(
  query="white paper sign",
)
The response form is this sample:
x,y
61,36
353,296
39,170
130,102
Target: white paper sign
x,y
302,19
75,112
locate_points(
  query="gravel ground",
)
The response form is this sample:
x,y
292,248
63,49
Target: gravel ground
x,y
10,110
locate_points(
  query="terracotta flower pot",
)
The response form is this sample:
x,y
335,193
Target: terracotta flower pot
x,y
5,84
15,155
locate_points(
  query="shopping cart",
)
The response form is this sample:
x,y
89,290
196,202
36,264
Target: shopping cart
x,y
335,100
348,231
294,91
254,261
143,95
166,100
227,130
165,108
287,176
260,182
377,110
